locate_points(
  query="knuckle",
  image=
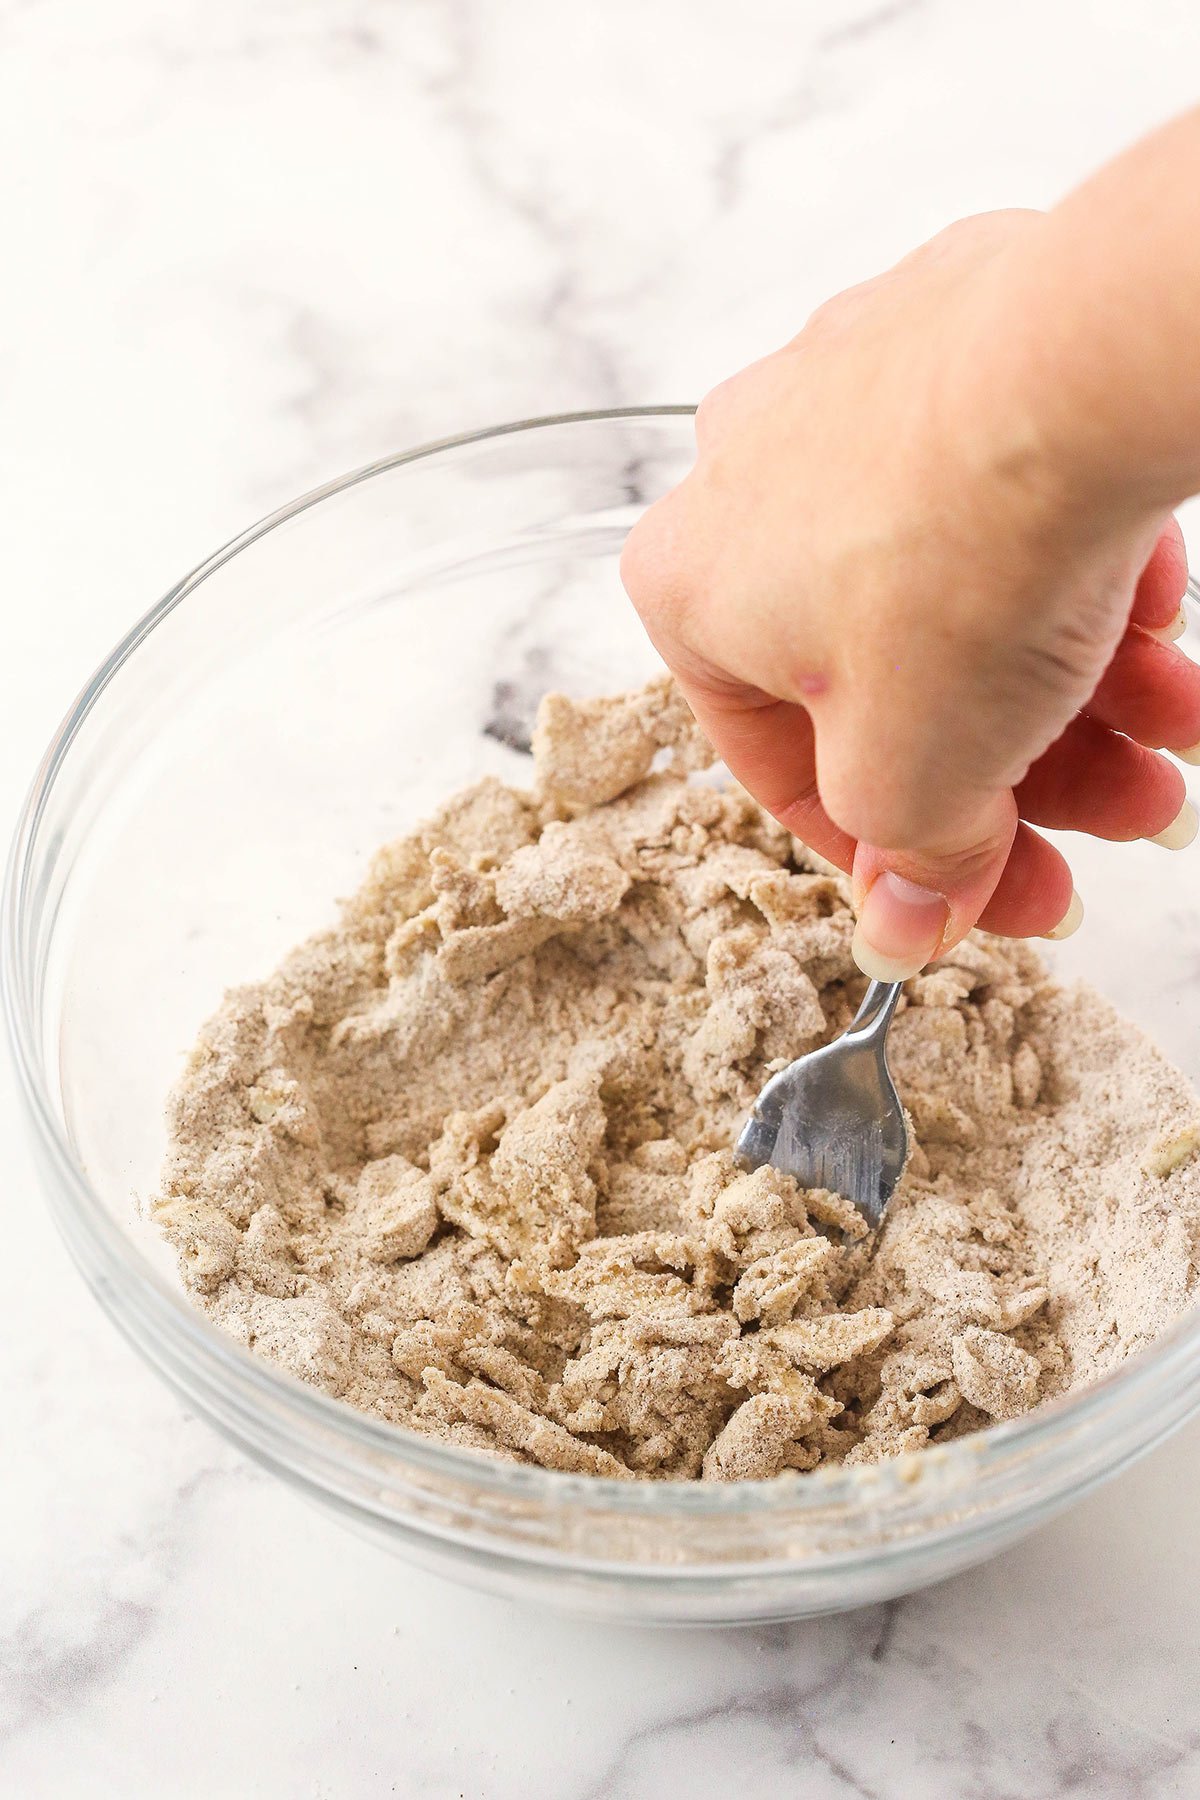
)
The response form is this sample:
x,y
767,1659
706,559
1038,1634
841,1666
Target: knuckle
x,y
713,410
837,315
830,313
978,233
1064,662
653,569
634,567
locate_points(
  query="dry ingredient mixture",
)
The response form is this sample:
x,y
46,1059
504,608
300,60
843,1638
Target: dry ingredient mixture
x,y
464,1160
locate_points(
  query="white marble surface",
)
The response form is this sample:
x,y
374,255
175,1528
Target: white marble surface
x,y
247,246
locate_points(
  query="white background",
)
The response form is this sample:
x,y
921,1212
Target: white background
x,y
246,246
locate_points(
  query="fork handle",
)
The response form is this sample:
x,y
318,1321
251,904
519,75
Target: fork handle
x,y
874,1015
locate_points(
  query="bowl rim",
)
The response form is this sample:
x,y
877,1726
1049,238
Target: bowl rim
x,y
127,1267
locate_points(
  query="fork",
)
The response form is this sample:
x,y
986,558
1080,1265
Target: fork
x,y
833,1118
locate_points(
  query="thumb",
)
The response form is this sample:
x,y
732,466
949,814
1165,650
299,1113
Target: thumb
x,y
913,906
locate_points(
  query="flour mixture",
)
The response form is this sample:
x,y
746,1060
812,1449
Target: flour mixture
x,y
463,1161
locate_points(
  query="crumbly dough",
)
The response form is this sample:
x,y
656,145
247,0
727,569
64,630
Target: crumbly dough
x,y
464,1160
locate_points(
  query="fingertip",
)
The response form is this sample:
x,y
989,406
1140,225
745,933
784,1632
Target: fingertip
x,y
1034,894
1150,692
1070,922
1169,633
1181,831
1163,582
901,927
1094,780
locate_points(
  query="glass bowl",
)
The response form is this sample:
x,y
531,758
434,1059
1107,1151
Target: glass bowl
x,y
302,697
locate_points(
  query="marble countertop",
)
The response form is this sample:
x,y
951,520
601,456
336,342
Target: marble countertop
x,y
248,247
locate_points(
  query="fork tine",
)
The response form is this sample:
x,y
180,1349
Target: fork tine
x,y
833,1118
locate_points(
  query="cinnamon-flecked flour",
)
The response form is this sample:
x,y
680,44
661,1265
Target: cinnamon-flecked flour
x,y
464,1160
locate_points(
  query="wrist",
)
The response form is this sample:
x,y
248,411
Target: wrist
x,y
1011,419
1069,426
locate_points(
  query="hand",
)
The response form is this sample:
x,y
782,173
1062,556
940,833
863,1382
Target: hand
x,y
912,626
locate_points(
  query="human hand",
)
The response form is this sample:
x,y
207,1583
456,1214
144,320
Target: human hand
x,y
912,623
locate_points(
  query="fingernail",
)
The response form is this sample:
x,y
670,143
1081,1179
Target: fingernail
x,y
1190,755
1070,922
1167,634
1181,831
899,928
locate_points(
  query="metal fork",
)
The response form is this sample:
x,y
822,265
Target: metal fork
x,y
833,1118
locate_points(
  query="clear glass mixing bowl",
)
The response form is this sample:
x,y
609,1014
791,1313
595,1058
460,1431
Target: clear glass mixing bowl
x,y
303,696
